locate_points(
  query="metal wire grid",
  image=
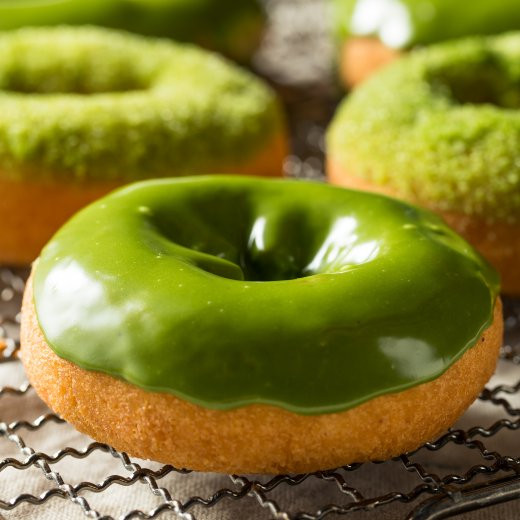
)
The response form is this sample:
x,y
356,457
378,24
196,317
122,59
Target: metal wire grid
x,y
494,478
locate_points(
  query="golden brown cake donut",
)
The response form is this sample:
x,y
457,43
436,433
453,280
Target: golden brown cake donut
x,y
32,211
256,438
219,336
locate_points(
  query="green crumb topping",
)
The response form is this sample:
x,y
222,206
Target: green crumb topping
x,y
98,104
441,126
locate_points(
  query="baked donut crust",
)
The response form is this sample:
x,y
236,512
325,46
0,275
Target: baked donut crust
x,y
496,240
360,57
254,438
31,212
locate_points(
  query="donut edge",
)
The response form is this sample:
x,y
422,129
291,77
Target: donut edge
x,y
33,211
255,438
360,57
497,241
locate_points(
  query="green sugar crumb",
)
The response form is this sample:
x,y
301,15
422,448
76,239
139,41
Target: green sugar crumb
x,y
87,103
441,126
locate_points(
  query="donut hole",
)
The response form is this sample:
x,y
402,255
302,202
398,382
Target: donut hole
x,y
58,79
230,238
87,67
485,82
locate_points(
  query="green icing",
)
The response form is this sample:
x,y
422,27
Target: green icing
x,y
405,23
91,103
228,291
226,25
441,126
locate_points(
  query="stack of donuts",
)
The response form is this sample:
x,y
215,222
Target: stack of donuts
x,y
184,309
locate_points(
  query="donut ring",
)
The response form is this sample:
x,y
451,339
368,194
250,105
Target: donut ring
x,y
256,438
219,373
94,109
421,131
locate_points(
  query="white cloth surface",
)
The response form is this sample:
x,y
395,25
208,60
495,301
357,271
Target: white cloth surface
x,y
117,500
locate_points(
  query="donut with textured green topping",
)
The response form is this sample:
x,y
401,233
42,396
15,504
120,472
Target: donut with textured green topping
x,y
231,27
85,110
373,33
441,128
245,325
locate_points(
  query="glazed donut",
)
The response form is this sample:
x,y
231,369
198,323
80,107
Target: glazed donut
x,y
231,27
244,325
373,33
441,128
85,110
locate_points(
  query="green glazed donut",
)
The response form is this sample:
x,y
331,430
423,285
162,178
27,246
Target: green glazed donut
x,y
94,104
229,291
441,127
402,24
228,26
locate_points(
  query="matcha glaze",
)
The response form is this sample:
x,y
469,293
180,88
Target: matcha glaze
x,y
228,291
405,23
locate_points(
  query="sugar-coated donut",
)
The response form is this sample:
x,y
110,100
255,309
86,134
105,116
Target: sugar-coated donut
x,y
244,325
231,27
441,128
84,110
373,33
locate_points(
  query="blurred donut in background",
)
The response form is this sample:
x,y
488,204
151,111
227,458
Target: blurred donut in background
x,y
372,33
87,109
227,26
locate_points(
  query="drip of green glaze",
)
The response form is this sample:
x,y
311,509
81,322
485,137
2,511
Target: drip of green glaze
x,y
405,23
228,291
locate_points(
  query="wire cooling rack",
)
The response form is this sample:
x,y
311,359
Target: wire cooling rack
x,y
472,466
490,475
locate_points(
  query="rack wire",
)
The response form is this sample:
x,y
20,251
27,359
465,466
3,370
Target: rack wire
x,y
474,465
492,478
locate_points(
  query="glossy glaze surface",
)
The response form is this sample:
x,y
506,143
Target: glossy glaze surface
x,y
228,291
88,103
226,25
404,23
